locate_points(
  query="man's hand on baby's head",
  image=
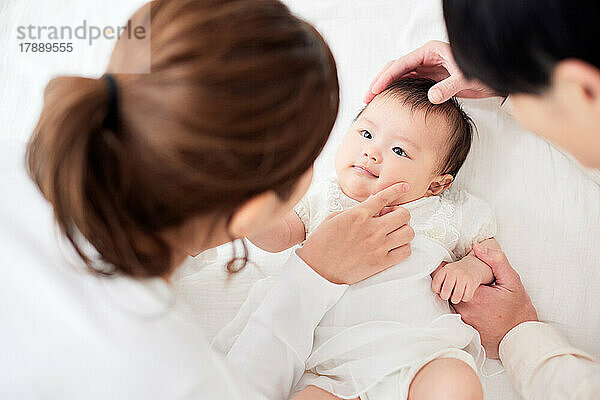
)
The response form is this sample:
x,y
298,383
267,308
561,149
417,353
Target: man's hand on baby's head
x,y
433,60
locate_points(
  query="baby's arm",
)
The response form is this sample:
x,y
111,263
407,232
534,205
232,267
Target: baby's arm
x,y
282,235
458,281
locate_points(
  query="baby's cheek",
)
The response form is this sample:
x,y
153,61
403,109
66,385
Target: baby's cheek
x,y
353,186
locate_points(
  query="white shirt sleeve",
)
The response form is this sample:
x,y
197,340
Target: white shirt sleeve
x,y
272,349
542,364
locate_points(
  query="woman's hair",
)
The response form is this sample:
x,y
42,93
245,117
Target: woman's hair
x,y
241,99
513,45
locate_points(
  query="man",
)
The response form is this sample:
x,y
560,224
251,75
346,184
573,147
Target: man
x,y
546,57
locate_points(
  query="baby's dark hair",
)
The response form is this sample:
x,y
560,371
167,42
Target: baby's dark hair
x,y
413,92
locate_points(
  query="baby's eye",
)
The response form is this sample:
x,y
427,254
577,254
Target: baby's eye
x,y
366,134
399,151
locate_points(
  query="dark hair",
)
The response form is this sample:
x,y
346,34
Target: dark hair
x,y
222,117
413,93
513,45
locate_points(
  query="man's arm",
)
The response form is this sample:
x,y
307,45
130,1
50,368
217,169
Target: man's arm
x,y
542,364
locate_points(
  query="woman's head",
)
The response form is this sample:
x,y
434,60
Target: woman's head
x,y
545,55
241,98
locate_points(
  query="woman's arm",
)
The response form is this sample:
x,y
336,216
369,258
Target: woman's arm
x,y
285,233
350,246
272,349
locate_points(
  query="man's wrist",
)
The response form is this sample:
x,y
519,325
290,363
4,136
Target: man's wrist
x,y
510,341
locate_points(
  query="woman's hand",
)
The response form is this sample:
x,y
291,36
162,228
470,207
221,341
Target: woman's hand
x,y
354,244
497,309
433,60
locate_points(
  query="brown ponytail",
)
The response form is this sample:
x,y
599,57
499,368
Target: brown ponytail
x,y
241,98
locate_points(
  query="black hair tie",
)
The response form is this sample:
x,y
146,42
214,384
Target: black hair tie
x,y
110,122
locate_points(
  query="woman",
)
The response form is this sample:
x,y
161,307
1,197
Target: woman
x,y
142,170
545,56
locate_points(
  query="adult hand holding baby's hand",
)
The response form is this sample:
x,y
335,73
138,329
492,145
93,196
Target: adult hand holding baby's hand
x,y
497,309
357,243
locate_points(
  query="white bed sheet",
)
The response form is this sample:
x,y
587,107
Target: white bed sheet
x,y
547,208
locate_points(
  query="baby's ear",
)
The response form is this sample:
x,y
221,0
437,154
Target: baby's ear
x,y
439,184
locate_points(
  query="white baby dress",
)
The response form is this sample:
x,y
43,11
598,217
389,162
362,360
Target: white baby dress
x,y
386,327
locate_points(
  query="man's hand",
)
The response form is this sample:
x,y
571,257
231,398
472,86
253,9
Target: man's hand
x,y
433,60
356,243
497,309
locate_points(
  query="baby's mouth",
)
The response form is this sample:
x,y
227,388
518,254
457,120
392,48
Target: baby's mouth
x,y
364,171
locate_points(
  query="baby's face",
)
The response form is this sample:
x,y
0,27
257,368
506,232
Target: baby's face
x,y
389,143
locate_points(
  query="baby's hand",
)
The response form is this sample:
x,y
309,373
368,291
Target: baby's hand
x,y
457,281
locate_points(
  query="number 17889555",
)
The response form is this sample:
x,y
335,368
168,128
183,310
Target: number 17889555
x,y
46,47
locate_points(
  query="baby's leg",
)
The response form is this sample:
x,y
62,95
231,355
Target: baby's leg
x,y
446,378
315,393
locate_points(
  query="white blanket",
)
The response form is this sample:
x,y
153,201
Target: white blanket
x,y
547,208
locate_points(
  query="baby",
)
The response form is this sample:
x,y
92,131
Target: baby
x,y
391,334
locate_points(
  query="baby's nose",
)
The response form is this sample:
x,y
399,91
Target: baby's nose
x,y
373,155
